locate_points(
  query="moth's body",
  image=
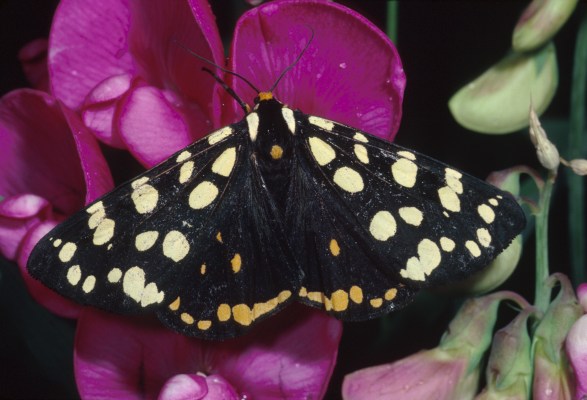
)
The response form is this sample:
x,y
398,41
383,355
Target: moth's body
x,y
280,206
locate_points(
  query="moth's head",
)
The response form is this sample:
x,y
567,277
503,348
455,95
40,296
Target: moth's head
x,y
263,96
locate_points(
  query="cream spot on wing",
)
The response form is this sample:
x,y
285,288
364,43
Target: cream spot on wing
x,y
390,294
484,237
104,232
321,122
447,244
236,263
225,162
288,116
376,302
203,269
139,182
411,215
429,257
114,275
67,252
473,248
493,202
356,294
151,295
146,240
203,195
95,207
185,171
407,154
340,300
57,243
449,199
453,180
323,152
184,155
89,284
224,312
219,135
361,153
359,137
175,246
486,213
145,198
334,247
383,226
74,274
348,179
133,283
253,123
97,215
404,172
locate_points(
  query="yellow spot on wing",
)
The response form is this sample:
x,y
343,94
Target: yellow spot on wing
x,y
407,154
67,252
224,312
225,162
187,318
219,236
359,137
321,122
74,274
486,213
175,305
184,155
383,226
204,324
186,171
114,275
104,232
411,215
376,302
390,294
473,248
89,284
276,152
133,283
236,263
429,257
144,197
57,243
242,314
175,246
203,195
453,180
348,179
447,244
323,152
334,247
219,135
356,294
361,153
484,237
340,300
404,172
203,269
144,241
288,116
449,199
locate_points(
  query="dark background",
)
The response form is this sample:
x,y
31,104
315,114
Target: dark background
x,y
443,45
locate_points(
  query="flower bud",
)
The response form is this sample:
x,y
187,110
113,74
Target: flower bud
x,y
546,152
578,166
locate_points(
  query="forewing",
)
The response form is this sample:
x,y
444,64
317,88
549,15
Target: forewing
x,y
189,239
386,221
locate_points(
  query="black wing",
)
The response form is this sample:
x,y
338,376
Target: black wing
x,y
379,222
194,239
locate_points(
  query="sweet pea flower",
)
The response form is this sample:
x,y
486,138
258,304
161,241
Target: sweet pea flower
x,y
290,356
119,64
576,346
53,166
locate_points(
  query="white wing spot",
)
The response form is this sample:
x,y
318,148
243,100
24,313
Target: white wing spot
x,y
104,232
95,207
67,252
453,180
486,213
473,248
429,257
133,283
144,197
323,152
484,237
175,246
404,172
225,162
288,116
449,199
321,123
359,137
74,274
383,226
348,179
184,155
447,244
57,243
407,154
411,215
114,275
151,295
139,182
361,153
219,135
493,202
203,195
253,123
185,171
144,241
89,284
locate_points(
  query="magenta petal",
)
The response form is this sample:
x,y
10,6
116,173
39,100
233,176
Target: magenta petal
x,y
33,58
37,147
100,119
88,43
184,387
351,72
151,127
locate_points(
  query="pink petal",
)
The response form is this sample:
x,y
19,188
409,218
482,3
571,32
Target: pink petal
x,y
88,43
33,58
576,346
100,119
151,127
184,387
351,72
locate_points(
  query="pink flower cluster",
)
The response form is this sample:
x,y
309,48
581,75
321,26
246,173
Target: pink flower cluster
x,y
117,75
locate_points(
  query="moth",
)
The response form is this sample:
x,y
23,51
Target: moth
x,y
279,207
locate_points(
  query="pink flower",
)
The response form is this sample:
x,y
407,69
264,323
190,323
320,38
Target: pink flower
x,y
576,346
118,64
289,356
55,168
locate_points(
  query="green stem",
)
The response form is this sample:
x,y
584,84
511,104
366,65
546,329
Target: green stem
x,y
542,270
391,28
576,147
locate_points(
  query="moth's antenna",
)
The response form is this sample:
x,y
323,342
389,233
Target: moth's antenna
x,y
290,66
199,57
231,92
